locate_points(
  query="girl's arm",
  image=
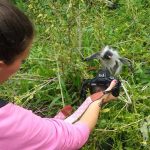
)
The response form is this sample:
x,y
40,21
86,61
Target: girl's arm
x,y
91,115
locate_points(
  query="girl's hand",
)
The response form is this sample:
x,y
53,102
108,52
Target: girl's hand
x,y
109,97
105,98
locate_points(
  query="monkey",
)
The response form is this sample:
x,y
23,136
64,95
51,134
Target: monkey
x,y
110,59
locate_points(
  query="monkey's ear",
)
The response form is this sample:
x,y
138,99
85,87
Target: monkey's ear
x,y
127,62
94,56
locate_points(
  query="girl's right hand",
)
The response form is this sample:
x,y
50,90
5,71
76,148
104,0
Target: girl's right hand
x,y
109,97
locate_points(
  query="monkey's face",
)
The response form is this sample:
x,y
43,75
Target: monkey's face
x,y
107,55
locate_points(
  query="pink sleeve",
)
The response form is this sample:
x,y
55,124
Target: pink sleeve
x,y
22,129
72,136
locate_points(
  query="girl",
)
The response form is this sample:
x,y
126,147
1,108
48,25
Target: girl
x,y
20,129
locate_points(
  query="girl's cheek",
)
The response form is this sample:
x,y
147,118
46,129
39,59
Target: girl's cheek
x,y
15,67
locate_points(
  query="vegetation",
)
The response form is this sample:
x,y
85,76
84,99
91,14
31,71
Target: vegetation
x,y
66,31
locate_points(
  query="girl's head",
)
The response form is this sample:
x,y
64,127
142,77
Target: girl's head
x,y
16,34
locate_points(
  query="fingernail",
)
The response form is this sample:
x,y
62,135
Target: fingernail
x,y
115,81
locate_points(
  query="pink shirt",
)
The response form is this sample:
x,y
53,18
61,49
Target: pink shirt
x,y
20,129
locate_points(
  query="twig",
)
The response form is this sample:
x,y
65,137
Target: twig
x,y
69,6
125,90
145,87
130,124
42,59
31,93
79,34
122,98
59,79
125,126
105,130
29,79
119,112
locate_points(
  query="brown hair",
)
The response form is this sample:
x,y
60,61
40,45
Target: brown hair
x,y
16,32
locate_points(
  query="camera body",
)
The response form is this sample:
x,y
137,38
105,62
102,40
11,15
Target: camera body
x,y
100,83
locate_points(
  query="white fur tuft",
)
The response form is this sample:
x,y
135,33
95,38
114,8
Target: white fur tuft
x,y
112,62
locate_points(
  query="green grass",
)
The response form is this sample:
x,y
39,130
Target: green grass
x,y
52,75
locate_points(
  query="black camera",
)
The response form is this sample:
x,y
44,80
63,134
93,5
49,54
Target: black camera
x,y
100,83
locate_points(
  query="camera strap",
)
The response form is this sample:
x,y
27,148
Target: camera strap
x,y
107,92
82,108
3,103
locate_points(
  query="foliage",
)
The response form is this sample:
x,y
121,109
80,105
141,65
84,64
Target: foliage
x,y
66,31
